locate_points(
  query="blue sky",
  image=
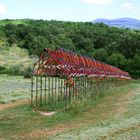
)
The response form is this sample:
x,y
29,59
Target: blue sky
x,y
69,10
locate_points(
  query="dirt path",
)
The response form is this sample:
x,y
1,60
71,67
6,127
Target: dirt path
x,y
113,105
13,104
121,131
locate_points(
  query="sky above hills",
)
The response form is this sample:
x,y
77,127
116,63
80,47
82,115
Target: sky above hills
x,y
69,10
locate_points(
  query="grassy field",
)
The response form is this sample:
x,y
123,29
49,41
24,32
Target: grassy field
x,y
14,56
125,125
116,116
13,88
15,61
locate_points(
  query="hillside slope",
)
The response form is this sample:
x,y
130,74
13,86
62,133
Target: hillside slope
x,y
14,60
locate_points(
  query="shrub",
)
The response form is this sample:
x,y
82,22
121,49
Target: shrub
x,y
15,70
2,69
27,72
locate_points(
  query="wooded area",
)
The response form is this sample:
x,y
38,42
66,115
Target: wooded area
x,y
115,46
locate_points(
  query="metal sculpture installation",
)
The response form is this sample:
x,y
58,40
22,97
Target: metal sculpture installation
x,y
61,77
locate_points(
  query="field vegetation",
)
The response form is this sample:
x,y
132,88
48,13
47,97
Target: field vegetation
x,y
13,88
115,116
15,61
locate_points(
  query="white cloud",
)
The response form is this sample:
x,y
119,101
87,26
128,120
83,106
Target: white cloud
x,y
2,9
98,2
127,6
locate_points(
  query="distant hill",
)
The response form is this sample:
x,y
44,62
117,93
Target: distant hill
x,y
120,22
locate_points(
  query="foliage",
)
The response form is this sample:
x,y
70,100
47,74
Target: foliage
x,y
117,60
101,54
135,65
27,72
108,44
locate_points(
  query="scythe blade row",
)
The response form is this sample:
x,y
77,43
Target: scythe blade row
x,y
61,62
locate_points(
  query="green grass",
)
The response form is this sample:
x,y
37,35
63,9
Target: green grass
x,y
20,122
13,88
123,127
22,119
14,56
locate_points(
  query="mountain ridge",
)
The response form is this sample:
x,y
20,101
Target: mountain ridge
x,y
124,22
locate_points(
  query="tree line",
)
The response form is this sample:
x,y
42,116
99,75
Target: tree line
x,y
112,45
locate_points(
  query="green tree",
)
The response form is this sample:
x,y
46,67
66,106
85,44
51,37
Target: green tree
x,y
35,44
118,60
135,66
100,54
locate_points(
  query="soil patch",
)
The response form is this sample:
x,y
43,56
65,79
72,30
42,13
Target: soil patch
x,y
13,104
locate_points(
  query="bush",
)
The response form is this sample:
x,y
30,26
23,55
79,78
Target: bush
x,y
15,70
2,70
27,72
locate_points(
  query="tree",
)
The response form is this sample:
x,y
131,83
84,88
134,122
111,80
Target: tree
x,y
62,41
118,60
34,44
136,66
100,54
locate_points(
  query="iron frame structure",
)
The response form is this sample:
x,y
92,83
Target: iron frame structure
x,y
61,77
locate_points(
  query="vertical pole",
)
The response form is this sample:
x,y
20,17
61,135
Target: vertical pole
x,y
66,94
52,94
49,89
81,83
59,89
56,89
32,84
36,100
61,96
85,86
73,90
41,91
45,90
78,84
70,86
91,88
